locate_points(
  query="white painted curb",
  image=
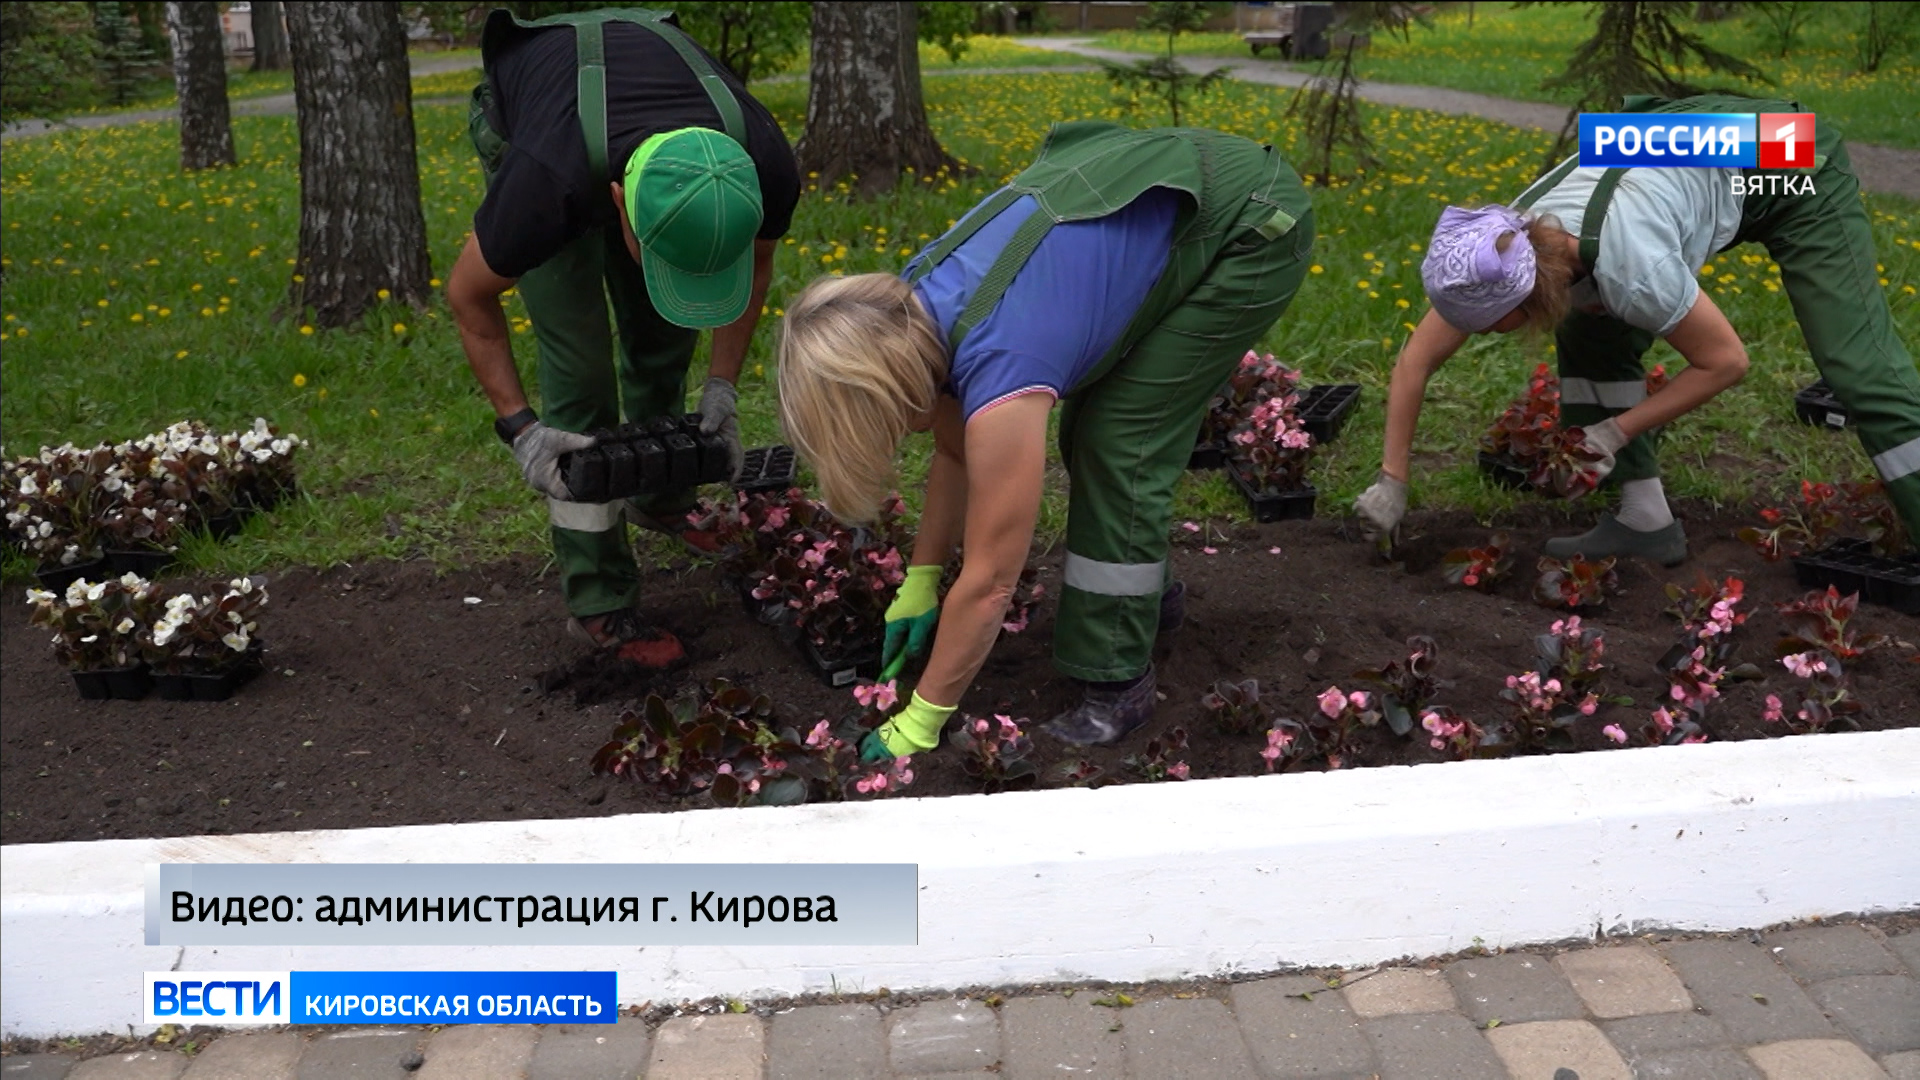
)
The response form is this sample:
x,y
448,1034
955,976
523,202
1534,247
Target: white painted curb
x,y
1128,883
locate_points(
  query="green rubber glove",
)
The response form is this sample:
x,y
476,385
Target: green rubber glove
x,y
911,618
913,730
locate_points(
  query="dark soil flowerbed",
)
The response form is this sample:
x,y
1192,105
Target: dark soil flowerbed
x,y
391,700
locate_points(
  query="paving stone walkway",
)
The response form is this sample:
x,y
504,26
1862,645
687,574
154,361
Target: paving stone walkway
x,y
1837,1002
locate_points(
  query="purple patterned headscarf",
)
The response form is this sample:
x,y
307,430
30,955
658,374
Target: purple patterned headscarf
x,y
1470,281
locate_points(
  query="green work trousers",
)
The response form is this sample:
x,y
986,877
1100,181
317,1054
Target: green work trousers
x,y
585,384
1823,244
1126,438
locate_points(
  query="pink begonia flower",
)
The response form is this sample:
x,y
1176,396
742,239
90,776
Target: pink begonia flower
x,y
862,786
1190,526
1209,551
1008,729
820,735
1278,742
1776,711
901,774
1663,721
1803,664
1470,578
1359,699
1296,440
1333,702
1273,551
1333,761
1588,707
1178,770
1693,740
979,726
880,696
1014,626
1616,733
777,517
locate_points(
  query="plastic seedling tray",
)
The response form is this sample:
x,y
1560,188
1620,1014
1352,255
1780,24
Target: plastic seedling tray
x,y
146,562
1207,455
766,469
845,667
1503,471
1324,409
1816,406
114,684
1270,506
55,578
1852,567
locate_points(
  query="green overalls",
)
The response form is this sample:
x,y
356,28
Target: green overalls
x,y
1241,243
1824,246
581,386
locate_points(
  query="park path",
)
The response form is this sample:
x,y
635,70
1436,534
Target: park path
x,y
271,105
1881,169
1835,1002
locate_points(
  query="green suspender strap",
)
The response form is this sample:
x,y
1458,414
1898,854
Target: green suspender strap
x,y
1006,266
1597,203
1595,215
591,55
590,46
1546,183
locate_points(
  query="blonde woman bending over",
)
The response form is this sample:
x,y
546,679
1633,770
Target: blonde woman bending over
x,y
1123,274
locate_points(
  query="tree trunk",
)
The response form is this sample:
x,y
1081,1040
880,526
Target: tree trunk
x,y
866,120
361,228
269,37
200,82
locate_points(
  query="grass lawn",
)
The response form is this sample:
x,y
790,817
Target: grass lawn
x,y
1510,51
135,296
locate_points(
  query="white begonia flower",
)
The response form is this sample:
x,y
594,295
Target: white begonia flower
x,y
28,485
41,597
90,639
112,483
46,529
124,626
283,446
241,585
237,641
96,591
164,630
132,580
262,455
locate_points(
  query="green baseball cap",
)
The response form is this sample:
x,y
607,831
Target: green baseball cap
x,y
693,197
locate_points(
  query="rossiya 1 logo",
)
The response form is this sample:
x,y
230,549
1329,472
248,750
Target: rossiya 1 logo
x,y
1697,140
1786,140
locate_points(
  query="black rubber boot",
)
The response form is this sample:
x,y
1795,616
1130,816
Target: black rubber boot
x,y
1107,713
1667,546
1173,606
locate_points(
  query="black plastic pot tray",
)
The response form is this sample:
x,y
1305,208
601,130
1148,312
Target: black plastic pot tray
x,y
1207,455
1275,506
664,454
119,684
1324,409
766,469
1502,471
1851,567
1817,407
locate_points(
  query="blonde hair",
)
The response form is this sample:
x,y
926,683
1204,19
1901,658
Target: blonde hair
x,y
859,360
1555,264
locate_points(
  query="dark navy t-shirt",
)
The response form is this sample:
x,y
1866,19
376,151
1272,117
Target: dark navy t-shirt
x,y
1068,305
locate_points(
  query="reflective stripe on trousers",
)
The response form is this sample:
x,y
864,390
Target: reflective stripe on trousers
x,y
583,517
1114,579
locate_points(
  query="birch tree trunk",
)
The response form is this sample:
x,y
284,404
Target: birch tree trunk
x,y
361,227
866,120
200,82
269,37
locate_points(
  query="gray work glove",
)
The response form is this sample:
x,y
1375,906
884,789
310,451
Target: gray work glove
x,y
538,449
718,401
1381,507
1604,440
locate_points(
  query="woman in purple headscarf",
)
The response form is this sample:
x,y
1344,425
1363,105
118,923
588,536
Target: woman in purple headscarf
x,y
1606,294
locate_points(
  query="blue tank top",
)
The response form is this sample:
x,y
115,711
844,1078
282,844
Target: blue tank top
x,y
1063,311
